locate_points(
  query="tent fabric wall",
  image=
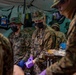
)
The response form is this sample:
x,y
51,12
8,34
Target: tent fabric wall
x,y
37,5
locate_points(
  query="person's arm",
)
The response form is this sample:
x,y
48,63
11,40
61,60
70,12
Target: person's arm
x,y
63,37
7,55
26,48
30,61
32,42
49,38
49,43
1,61
17,70
70,58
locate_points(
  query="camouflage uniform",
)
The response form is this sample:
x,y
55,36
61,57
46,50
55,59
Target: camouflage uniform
x,y
20,45
6,57
68,61
29,30
60,36
42,40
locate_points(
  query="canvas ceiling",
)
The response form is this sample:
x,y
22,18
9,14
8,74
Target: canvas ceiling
x,y
41,4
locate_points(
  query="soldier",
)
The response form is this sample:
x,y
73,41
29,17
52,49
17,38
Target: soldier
x,y
67,64
60,36
43,39
20,43
6,56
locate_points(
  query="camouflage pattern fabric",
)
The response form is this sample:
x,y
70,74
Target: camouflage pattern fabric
x,y
29,30
20,45
68,61
60,37
42,40
6,56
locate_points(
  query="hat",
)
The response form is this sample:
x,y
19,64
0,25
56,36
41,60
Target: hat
x,y
55,3
38,16
56,25
15,20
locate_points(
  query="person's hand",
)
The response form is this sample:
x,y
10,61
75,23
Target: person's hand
x,y
30,58
29,64
43,72
18,70
74,74
63,46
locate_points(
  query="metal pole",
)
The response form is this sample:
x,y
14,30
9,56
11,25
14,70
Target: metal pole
x,y
24,6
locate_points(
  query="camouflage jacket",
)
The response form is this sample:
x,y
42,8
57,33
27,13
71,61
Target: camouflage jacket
x,y
42,40
28,30
6,56
69,60
60,37
20,45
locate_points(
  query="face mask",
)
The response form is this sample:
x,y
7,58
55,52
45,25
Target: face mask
x,y
39,25
14,28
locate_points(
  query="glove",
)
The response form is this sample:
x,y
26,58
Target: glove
x,y
29,64
30,58
63,46
43,72
21,64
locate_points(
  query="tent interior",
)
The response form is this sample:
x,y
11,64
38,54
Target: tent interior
x,y
19,8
